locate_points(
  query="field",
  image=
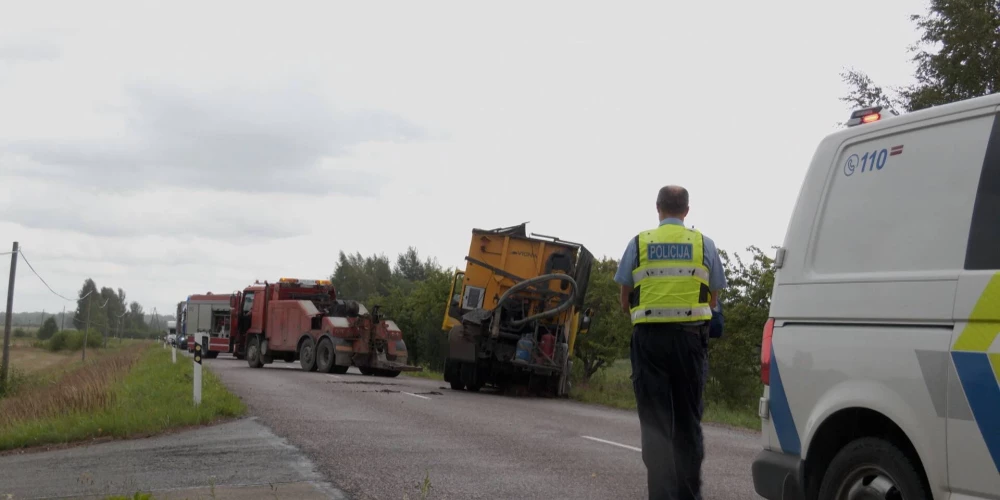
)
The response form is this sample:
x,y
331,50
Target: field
x,y
131,390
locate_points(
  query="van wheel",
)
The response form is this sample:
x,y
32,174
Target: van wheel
x,y
307,355
872,468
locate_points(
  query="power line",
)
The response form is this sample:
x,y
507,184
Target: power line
x,y
21,252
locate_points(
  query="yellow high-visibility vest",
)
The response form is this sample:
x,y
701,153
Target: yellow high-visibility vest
x,y
670,284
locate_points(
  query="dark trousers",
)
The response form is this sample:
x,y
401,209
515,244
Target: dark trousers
x,y
668,369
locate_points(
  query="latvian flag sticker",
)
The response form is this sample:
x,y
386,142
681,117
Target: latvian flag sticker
x,y
896,150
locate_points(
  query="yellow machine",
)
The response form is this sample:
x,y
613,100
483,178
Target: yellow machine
x,y
515,311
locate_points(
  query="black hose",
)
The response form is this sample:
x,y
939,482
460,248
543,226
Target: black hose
x,y
567,303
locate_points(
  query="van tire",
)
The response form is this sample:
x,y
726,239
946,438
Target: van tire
x,y
863,458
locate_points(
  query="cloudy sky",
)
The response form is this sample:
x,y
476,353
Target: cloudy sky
x,y
172,148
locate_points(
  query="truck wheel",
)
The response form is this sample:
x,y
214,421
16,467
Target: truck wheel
x,y
307,355
872,468
456,385
339,370
253,353
324,356
387,373
365,370
212,354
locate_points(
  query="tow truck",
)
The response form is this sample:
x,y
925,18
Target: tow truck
x,y
304,320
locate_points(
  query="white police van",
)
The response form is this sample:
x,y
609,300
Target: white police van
x,y
881,359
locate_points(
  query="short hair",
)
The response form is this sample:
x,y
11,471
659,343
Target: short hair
x,y
672,200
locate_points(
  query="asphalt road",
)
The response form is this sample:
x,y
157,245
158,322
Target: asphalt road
x,y
379,438
239,460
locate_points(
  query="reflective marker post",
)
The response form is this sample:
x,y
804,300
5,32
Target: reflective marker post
x,y
173,353
197,373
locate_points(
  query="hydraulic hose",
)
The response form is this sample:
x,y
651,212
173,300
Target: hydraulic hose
x,y
544,314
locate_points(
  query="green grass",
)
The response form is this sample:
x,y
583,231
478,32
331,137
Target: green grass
x,y
612,387
426,373
131,398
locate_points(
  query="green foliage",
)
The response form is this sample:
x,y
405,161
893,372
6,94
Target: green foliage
x,y
20,333
734,360
610,329
412,293
964,61
72,340
48,329
15,380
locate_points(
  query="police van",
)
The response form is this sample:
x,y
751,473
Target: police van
x,y
881,358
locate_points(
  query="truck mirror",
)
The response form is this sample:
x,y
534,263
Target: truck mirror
x,y
234,301
585,320
455,299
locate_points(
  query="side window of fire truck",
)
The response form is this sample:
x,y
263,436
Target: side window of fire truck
x,y
247,302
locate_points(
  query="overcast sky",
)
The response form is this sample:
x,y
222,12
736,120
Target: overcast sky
x,y
176,147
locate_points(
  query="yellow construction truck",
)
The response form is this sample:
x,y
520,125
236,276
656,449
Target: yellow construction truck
x,y
514,312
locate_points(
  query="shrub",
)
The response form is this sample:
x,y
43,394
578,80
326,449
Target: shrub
x,y
20,333
72,340
48,329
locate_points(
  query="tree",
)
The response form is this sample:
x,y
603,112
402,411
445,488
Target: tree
x,y
610,330
734,366
88,290
966,63
48,329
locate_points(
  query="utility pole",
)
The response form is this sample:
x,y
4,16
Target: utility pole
x,y
63,325
87,328
5,364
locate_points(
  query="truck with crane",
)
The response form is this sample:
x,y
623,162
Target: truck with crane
x,y
514,312
305,321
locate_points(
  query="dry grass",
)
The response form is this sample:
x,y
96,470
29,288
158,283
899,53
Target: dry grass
x,y
84,389
29,359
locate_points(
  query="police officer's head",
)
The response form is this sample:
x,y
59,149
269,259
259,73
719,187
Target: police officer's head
x,y
672,201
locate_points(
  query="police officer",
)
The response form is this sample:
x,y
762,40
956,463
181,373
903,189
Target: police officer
x,y
670,279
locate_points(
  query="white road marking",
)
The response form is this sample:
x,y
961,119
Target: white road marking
x,y
415,395
337,377
627,447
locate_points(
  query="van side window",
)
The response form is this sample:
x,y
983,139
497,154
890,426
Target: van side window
x,y
900,201
984,232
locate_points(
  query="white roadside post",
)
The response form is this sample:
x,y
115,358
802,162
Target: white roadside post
x,y
197,373
173,353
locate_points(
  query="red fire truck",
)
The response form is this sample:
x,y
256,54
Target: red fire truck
x,y
202,316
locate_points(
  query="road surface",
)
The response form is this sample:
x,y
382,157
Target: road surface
x,y
235,460
380,438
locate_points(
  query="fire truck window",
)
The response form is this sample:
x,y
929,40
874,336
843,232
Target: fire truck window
x,y
247,302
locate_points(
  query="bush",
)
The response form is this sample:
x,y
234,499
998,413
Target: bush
x,y
72,340
20,333
48,329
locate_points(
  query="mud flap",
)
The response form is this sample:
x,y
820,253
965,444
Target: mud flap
x,y
460,348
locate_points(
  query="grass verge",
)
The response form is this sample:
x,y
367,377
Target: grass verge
x,y
426,373
612,387
136,391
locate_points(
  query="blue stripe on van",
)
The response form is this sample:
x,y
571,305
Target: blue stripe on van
x,y
983,393
781,412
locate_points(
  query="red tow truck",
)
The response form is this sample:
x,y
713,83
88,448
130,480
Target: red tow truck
x,y
304,320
